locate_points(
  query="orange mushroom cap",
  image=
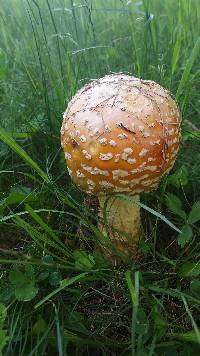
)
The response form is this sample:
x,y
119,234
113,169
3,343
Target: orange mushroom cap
x,y
120,134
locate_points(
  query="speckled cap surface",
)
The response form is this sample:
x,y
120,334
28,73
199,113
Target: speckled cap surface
x,y
120,134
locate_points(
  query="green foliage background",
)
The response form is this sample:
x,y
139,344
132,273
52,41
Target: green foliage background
x,y
58,295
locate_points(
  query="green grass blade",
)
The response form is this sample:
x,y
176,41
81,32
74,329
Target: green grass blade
x,y
133,289
42,240
65,283
150,210
7,138
188,68
196,329
175,293
176,54
46,228
189,336
39,263
21,213
134,292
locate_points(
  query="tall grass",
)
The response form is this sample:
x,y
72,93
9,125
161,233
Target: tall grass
x,y
52,48
60,295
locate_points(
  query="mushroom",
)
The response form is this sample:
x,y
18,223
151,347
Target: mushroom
x,y
120,134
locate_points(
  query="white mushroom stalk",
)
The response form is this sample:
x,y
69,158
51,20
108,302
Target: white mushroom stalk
x,y
120,134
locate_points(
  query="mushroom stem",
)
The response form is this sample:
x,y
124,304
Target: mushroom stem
x,y
125,217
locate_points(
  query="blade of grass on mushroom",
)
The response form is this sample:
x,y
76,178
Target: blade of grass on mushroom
x,y
152,211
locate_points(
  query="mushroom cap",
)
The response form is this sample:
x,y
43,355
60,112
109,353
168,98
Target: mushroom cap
x,y
120,134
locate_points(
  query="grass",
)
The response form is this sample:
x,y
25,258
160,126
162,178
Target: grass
x,y
58,294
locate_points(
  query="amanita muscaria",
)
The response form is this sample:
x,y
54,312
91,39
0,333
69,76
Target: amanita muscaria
x,y
120,134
